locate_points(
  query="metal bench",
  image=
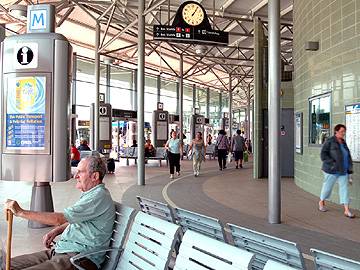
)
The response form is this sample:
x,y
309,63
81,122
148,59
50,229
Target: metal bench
x,y
123,218
210,151
130,153
272,265
150,244
84,154
160,155
267,247
327,261
199,252
157,209
200,223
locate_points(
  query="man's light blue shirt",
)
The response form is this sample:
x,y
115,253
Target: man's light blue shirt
x,y
91,221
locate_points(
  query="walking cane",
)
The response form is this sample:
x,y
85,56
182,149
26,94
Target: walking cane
x,y
9,218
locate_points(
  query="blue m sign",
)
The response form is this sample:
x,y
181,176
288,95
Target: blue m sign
x,y
38,19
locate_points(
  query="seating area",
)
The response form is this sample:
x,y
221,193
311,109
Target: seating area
x,y
147,240
132,153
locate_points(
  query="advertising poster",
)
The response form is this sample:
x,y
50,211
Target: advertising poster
x,y
352,118
298,132
25,116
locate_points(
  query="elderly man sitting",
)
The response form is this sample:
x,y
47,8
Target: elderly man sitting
x,y
84,226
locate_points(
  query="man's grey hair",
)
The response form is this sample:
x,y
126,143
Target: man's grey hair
x,y
96,164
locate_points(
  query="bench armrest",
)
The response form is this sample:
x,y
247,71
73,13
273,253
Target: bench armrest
x,y
75,258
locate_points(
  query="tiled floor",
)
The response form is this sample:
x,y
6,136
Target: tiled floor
x,y
231,195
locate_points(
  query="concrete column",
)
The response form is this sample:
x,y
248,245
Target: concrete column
x,y
259,40
208,103
97,88
158,86
274,207
181,97
141,92
230,108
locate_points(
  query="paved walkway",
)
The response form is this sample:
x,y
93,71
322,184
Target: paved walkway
x,y
231,195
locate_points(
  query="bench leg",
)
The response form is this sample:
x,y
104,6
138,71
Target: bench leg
x,y
135,161
127,162
160,162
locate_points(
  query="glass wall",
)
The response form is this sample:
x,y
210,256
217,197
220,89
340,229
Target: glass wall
x,y
201,99
122,95
121,92
168,95
319,118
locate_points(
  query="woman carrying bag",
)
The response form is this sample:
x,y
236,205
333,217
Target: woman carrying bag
x,y
198,150
222,144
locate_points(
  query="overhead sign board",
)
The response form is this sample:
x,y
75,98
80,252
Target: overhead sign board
x,y
190,35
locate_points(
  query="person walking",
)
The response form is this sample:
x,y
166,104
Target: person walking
x,y
209,139
337,165
175,151
222,144
198,149
238,147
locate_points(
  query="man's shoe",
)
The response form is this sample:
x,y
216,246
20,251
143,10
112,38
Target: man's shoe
x,y
171,176
237,167
177,173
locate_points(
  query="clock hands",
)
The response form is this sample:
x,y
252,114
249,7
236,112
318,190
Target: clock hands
x,y
194,11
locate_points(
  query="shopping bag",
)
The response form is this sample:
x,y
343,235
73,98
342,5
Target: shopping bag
x,y
229,158
246,156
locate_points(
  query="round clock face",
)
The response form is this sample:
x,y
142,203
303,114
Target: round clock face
x,y
193,14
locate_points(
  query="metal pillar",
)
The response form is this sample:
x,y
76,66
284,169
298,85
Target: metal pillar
x,y
141,92
181,97
230,108
96,131
274,215
41,201
177,97
73,100
107,93
208,103
2,32
194,96
220,106
247,119
134,92
158,86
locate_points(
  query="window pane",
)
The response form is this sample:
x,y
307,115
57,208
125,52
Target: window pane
x,y
319,119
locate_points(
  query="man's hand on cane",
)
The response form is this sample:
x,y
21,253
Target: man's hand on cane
x,y
13,206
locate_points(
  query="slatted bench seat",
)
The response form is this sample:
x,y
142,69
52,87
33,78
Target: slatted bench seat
x,y
272,265
130,153
267,247
157,209
200,223
160,155
210,151
199,252
327,261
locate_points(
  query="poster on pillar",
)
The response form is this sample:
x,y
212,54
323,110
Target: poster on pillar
x,y
352,122
298,132
26,113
